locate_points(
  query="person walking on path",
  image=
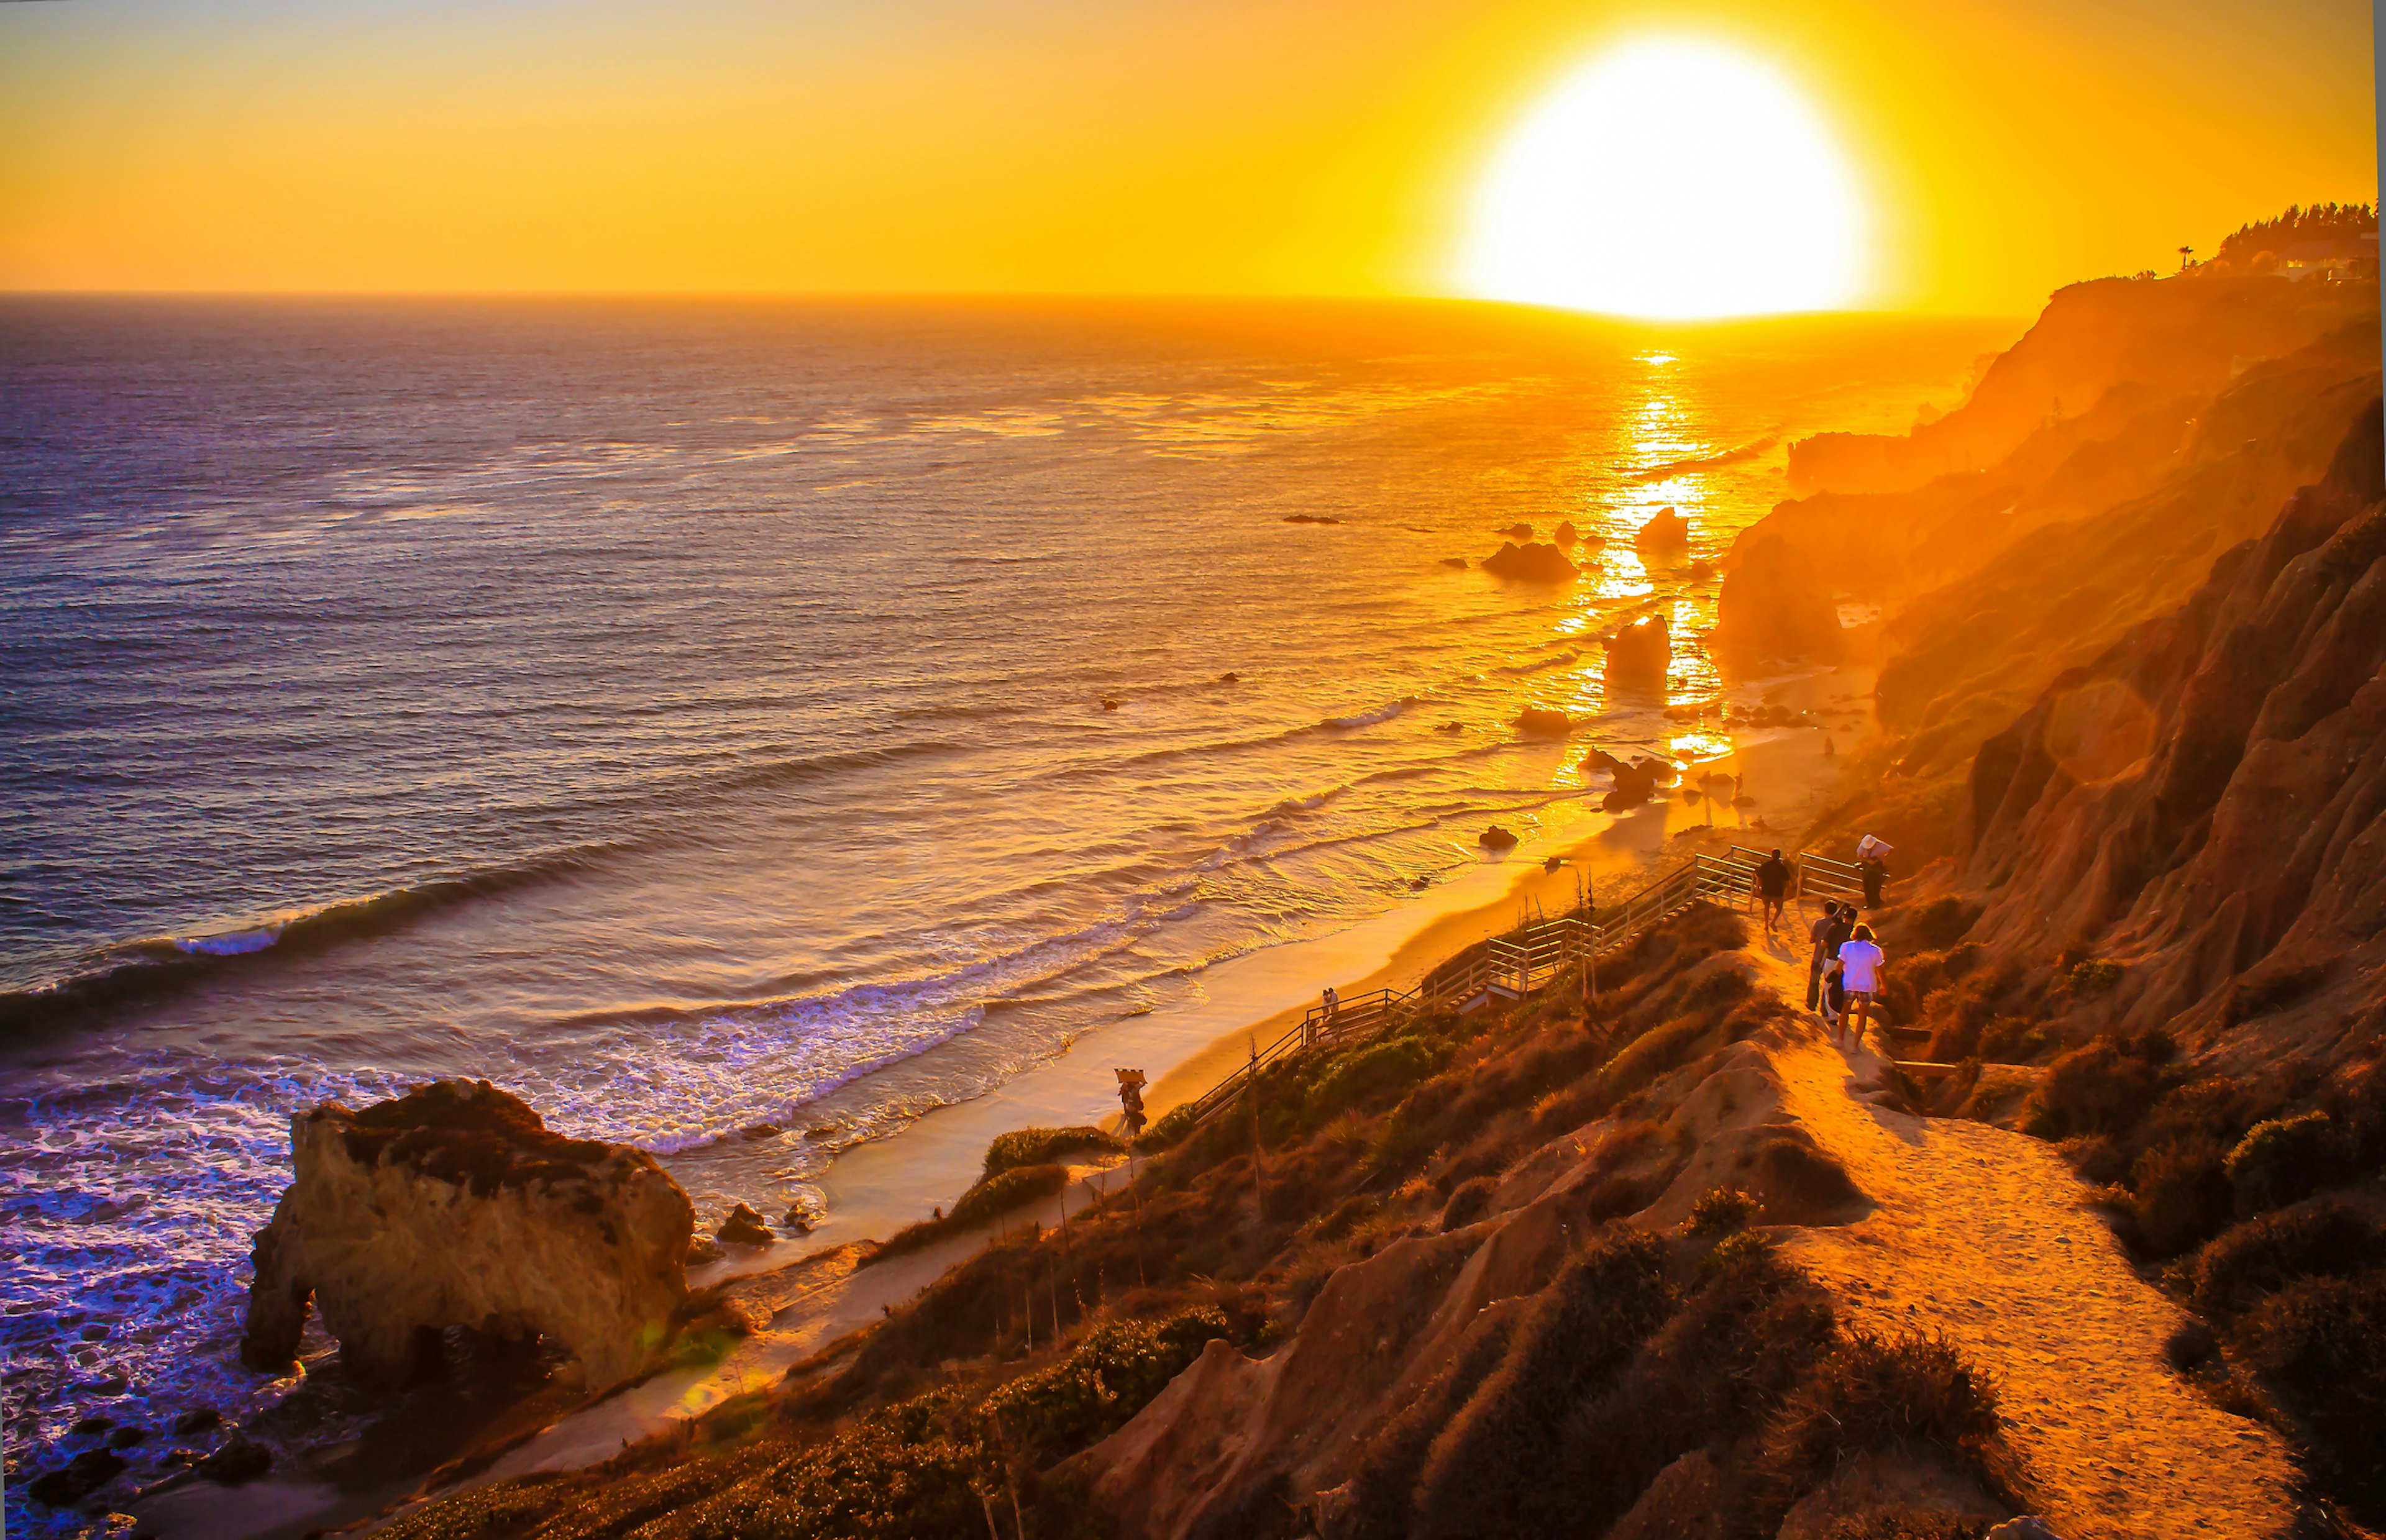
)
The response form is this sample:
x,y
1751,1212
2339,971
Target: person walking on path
x,y
1870,852
1820,934
1861,960
1773,886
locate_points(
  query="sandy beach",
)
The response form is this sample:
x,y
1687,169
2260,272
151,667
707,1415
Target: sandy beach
x,y
816,1294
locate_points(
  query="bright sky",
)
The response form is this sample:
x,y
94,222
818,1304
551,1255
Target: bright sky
x,y
1993,148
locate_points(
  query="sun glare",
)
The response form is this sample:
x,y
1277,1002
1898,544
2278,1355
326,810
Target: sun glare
x,y
1670,180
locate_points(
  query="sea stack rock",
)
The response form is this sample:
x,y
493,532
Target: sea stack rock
x,y
1540,721
1529,563
1567,533
454,1206
1638,655
1519,531
1667,533
1774,606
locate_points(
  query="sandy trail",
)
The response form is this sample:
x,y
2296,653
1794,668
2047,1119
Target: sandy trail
x,y
1981,1234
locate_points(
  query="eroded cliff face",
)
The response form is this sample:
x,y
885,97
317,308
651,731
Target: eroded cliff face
x,y
2177,338
2206,803
455,1206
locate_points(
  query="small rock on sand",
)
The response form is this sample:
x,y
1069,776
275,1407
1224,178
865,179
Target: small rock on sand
x,y
744,1227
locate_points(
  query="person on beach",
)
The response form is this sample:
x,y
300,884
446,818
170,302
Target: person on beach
x,y
1861,960
1773,886
1820,935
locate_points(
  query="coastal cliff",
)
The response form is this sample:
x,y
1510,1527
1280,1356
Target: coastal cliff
x,y
2092,1236
455,1206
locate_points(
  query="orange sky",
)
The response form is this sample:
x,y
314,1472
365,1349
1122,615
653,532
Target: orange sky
x,y
1302,146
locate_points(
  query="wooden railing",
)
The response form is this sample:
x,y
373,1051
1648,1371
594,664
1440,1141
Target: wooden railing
x,y
1507,967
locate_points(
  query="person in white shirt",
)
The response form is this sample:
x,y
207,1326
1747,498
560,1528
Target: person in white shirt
x,y
1861,962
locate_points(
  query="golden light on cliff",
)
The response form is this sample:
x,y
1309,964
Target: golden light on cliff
x,y
1670,178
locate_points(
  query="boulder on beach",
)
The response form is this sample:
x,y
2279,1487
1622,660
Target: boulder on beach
x,y
1639,654
1540,721
744,1227
1667,532
1634,783
1775,607
1529,563
455,1206
1496,838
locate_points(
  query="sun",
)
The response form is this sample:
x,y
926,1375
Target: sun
x,y
1670,178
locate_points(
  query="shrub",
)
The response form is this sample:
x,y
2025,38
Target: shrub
x,y
1722,1211
1909,1523
1943,922
1042,1147
1470,1202
1109,1377
1169,1129
1649,1056
1753,1330
2283,1160
985,1201
1487,1471
2093,976
2321,1345
867,1480
2096,1089
1370,1073
2268,989
2182,1195
2010,1040
1869,1395
2262,1255
1734,1249
1382,1488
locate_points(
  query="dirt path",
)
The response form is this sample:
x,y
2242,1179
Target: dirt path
x,y
1980,1233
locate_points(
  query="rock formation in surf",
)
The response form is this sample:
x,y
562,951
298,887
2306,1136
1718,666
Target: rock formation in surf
x,y
1638,655
1529,563
455,1206
1776,606
1541,721
1666,533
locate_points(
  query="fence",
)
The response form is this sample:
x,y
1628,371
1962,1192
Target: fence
x,y
1821,877
1505,969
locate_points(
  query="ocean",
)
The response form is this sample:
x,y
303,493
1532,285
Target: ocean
x,y
740,726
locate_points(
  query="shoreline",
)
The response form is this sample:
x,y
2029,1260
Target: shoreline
x,y
876,1187
816,1294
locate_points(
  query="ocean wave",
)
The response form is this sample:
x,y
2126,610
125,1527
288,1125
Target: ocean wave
x,y
1669,468
1383,713
1515,670
133,970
